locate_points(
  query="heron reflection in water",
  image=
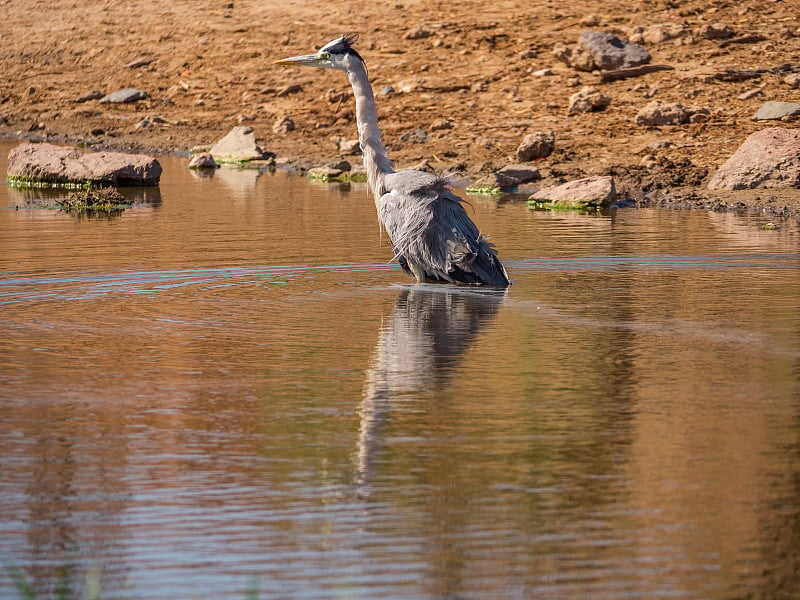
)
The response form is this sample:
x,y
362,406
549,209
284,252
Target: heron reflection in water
x,y
419,348
432,236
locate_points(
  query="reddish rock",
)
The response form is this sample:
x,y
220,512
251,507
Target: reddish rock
x,y
536,145
590,191
52,164
769,158
588,99
663,113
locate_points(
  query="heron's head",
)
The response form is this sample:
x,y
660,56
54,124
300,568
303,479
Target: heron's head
x,y
333,55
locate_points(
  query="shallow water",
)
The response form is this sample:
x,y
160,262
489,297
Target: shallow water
x,y
228,391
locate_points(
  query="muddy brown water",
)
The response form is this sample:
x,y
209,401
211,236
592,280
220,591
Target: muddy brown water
x,y
228,391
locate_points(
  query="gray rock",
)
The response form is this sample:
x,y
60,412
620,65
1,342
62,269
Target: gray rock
x,y
611,52
522,173
60,165
238,146
124,96
342,166
93,95
769,158
204,160
588,99
770,111
386,90
663,113
495,181
599,190
536,145
347,147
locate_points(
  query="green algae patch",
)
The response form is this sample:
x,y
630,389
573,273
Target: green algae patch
x,y
27,183
561,206
479,190
94,200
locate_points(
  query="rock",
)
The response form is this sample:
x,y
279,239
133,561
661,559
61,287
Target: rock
x,y
418,33
494,182
522,173
408,86
124,96
529,53
698,114
792,80
337,96
325,173
658,34
716,31
204,160
238,146
283,125
759,91
663,113
139,62
345,146
341,165
599,190
611,52
386,90
625,73
440,125
289,90
60,165
543,73
415,136
104,199
576,57
93,95
590,20
588,99
478,87
769,158
536,145
770,111
648,161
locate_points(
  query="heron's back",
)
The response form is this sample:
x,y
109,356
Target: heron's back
x,y
430,229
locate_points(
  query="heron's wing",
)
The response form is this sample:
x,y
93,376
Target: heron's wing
x,y
428,226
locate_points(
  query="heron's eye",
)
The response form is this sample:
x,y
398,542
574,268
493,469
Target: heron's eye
x,y
324,55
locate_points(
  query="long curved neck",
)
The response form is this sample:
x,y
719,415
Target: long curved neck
x,y
376,159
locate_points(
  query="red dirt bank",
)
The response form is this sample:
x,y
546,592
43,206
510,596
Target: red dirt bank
x,y
208,67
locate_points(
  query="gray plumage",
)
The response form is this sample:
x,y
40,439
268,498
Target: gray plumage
x,y
432,236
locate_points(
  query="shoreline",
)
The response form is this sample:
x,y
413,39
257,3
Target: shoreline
x,y
773,203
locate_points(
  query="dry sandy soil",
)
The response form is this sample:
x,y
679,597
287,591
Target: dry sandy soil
x,y
207,66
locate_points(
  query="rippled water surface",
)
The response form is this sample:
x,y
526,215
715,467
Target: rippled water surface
x,y
228,391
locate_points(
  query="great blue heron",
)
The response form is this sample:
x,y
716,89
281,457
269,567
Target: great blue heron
x,y
432,236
